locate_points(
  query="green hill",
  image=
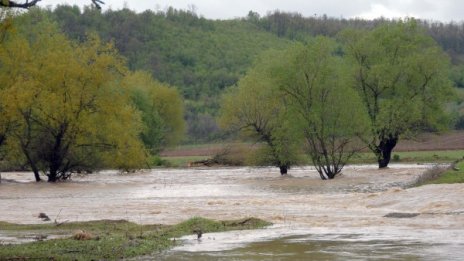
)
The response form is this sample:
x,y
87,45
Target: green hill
x,y
202,57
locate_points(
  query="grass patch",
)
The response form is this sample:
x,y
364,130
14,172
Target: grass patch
x,y
451,176
109,239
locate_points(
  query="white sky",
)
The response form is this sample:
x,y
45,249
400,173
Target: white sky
x,y
441,10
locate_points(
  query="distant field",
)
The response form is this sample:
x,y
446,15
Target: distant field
x,y
425,148
449,141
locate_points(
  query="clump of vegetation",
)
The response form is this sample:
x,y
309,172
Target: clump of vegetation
x,y
82,235
110,240
236,155
68,106
402,76
454,174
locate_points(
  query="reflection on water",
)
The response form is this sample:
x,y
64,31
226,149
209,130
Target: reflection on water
x,y
286,243
308,248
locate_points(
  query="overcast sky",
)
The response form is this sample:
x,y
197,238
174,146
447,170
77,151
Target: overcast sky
x,y
442,10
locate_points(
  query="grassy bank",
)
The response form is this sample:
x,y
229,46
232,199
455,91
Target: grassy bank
x,y
434,156
445,156
450,176
109,240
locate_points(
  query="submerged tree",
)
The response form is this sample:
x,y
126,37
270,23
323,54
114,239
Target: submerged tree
x,y
256,108
326,109
71,112
402,76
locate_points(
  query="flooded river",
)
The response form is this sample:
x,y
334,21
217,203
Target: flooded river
x,y
323,220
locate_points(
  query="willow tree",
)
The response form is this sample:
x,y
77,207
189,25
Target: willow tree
x,y
161,108
70,110
257,109
402,77
325,107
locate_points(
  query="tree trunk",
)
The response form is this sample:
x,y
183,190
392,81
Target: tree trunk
x,y
36,175
385,149
34,168
283,170
52,177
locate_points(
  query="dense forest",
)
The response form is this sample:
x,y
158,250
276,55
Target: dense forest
x,y
203,57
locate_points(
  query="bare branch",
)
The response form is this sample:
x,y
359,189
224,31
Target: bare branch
x,y
28,4
13,4
98,3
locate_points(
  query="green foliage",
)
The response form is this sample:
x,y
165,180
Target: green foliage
x,y
203,57
200,57
324,107
256,108
162,111
451,176
69,109
402,76
457,75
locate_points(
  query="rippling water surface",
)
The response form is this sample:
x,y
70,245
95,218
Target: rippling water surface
x,y
323,220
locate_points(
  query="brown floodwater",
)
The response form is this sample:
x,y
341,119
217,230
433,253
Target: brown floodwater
x,y
326,220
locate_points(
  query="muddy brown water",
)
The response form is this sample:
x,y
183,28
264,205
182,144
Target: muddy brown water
x,y
326,220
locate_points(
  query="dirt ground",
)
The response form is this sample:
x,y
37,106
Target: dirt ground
x,y
425,142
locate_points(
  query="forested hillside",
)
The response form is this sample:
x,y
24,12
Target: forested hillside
x,y
202,57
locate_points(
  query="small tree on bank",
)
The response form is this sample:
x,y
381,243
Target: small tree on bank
x,y
402,77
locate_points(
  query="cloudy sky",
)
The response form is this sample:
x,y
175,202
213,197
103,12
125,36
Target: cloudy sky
x,y
442,10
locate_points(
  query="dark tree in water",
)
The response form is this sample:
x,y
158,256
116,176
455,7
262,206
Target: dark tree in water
x,y
402,76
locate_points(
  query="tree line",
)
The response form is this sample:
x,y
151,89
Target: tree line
x,y
68,106
71,102
204,57
367,88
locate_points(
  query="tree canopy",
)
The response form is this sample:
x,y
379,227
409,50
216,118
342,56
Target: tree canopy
x,y
162,111
203,57
65,104
257,109
323,105
402,77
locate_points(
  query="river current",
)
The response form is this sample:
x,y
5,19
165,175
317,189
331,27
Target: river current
x,y
365,214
